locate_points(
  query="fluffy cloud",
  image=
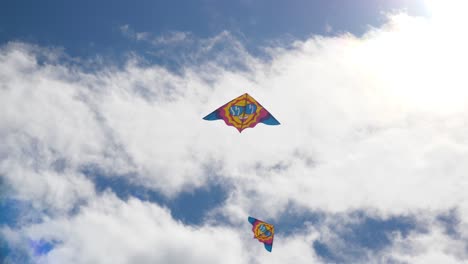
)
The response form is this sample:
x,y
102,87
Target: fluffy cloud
x,y
374,123
109,230
434,246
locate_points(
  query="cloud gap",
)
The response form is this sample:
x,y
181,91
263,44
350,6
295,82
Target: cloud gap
x,y
190,207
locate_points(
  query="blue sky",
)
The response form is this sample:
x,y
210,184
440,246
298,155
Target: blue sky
x,y
105,149
90,28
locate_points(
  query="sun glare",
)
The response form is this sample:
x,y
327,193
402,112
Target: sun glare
x,y
447,10
423,61
448,26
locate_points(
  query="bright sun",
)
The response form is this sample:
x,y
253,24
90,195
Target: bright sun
x,y
447,10
423,61
448,34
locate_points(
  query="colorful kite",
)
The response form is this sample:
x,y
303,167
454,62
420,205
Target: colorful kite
x,y
243,112
263,231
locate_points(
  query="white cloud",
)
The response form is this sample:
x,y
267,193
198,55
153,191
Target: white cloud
x,y
109,230
373,123
431,247
170,38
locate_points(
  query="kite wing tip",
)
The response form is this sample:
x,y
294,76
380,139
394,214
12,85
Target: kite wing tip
x,y
212,116
271,121
268,247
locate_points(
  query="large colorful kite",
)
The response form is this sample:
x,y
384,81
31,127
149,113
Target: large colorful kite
x,y
243,112
263,231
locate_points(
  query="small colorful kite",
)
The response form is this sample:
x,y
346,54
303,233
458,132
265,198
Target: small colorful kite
x,y
263,231
243,112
